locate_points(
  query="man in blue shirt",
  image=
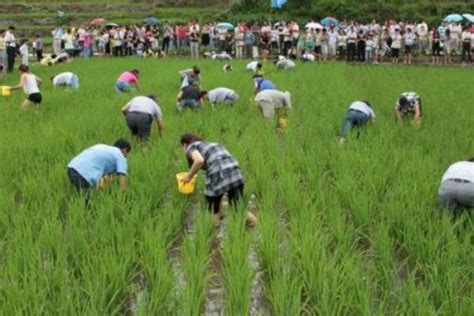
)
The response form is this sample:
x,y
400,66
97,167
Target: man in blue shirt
x,y
261,84
87,169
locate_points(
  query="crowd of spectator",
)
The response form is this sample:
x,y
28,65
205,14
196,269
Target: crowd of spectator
x,y
372,42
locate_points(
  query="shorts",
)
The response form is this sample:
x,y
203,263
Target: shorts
x,y
395,52
408,49
436,49
317,49
36,98
139,124
121,86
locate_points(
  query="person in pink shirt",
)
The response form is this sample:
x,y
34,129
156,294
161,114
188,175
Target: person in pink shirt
x,y
125,81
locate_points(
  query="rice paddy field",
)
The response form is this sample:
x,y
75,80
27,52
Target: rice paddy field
x,y
343,230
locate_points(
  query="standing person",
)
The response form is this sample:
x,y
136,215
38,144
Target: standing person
x,y
396,46
249,40
205,36
447,45
333,37
409,106
167,35
223,174
409,38
457,186
261,84
57,34
271,101
436,46
239,43
140,113
68,39
10,42
351,43
24,53
190,96
86,170
422,32
222,95
466,38
3,52
38,46
126,79
358,115
30,84
369,49
194,41
189,76
65,79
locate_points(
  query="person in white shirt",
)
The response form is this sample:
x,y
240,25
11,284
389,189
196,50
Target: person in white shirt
x,y
271,101
333,37
10,42
140,113
466,38
422,32
396,46
456,191
30,84
221,56
358,115
222,95
65,79
285,64
24,53
409,38
68,39
254,66
308,57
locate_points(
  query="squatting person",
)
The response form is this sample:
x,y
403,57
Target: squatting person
x,y
261,84
87,169
190,76
409,107
222,95
271,101
66,79
457,186
358,114
140,113
30,84
190,96
223,174
126,79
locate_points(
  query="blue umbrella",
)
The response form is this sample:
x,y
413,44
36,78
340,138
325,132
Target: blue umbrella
x,y
226,26
151,21
453,18
329,21
469,17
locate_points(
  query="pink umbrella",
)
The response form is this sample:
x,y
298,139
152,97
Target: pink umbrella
x,y
97,21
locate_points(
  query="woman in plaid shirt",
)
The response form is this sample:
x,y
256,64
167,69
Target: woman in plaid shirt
x,y
223,173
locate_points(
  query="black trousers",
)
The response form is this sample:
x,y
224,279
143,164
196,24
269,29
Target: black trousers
x,y
466,52
351,51
80,184
139,124
234,196
11,52
166,44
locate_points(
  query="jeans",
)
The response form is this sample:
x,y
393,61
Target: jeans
x,y
195,50
353,119
193,104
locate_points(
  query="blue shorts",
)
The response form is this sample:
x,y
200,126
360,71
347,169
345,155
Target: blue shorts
x,y
121,86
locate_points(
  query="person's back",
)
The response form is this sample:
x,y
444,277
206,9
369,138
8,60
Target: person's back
x,y
31,85
221,94
457,186
127,77
63,79
191,92
270,100
262,84
98,160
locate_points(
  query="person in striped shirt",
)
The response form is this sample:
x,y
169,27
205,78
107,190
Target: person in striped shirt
x,y
409,107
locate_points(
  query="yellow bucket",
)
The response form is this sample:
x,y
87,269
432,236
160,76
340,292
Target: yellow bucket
x,y
282,122
6,91
185,188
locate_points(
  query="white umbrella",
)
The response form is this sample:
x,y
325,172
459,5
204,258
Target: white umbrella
x,y
313,25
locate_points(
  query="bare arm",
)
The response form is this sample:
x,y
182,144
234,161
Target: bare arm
x,y
398,115
178,97
198,162
123,182
20,83
125,109
39,81
417,116
159,126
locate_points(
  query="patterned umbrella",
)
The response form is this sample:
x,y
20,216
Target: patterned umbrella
x,y
329,21
151,21
97,21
